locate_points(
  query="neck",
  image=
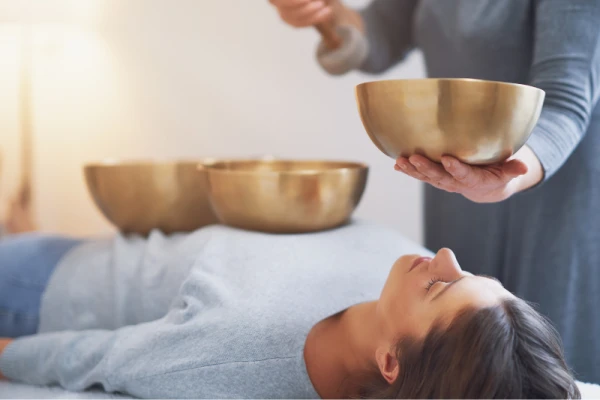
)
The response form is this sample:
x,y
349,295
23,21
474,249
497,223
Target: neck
x,y
340,351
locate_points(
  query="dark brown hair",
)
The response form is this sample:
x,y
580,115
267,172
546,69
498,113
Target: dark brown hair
x,y
508,351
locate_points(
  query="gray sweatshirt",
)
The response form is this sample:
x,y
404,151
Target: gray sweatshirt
x,y
543,244
217,313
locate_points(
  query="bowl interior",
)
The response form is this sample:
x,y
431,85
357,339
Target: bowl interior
x,y
111,165
281,166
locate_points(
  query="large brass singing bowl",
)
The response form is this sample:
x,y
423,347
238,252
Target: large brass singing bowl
x,y
478,122
138,197
285,196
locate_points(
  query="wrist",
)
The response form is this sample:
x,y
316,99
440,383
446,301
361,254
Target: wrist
x,y
535,171
4,342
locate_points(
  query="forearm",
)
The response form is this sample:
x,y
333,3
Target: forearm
x,y
388,27
555,136
374,39
566,64
141,360
74,360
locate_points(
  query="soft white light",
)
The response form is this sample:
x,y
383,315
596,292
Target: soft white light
x,y
49,11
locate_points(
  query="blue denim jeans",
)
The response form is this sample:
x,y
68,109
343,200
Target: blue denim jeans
x,y
27,262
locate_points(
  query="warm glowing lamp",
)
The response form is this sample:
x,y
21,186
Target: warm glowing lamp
x,y
31,16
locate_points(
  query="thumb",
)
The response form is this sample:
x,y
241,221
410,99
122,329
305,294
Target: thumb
x,y
514,168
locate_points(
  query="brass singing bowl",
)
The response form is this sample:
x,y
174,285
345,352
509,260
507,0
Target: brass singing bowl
x,y
476,121
285,196
138,197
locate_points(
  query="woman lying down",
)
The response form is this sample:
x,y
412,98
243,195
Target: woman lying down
x,y
229,313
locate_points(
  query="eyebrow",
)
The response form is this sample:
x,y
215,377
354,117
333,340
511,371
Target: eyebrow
x,y
448,286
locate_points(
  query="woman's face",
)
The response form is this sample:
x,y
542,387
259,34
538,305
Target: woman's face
x,y
421,290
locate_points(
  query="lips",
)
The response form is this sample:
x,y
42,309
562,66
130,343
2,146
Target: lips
x,y
418,261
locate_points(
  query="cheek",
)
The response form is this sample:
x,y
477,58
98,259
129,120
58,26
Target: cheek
x,y
397,317
401,294
397,306
398,273
400,285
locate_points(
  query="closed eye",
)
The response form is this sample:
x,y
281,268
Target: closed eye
x,y
448,286
432,282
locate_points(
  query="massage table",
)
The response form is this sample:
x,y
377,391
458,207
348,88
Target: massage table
x,y
18,391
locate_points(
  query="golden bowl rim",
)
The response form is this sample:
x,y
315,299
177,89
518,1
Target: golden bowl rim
x,y
348,166
465,80
147,162
156,161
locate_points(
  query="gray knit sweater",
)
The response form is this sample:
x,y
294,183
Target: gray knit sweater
x,y
220,313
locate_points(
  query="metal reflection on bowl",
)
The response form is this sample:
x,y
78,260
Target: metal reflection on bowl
x,y
285,196
476,121
140,196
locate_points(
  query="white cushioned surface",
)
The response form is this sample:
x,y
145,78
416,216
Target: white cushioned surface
x,y
17,391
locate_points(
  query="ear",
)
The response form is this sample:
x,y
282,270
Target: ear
x,y
387,363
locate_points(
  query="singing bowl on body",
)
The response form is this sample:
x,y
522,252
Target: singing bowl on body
x,y
478,122
138,197
285,196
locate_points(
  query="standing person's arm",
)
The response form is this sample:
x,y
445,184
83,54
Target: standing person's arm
x,y
375,38
566,65
306,13
388,26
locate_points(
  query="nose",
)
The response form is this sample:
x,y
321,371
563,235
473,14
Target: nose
x,y
445,265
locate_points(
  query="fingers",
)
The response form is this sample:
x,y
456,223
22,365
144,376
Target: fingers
x,y
465,174
302,13
427,171
403,165
468,174
289,3
433,171
481,183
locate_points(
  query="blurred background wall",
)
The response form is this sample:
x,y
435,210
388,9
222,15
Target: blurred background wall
x,y
143,79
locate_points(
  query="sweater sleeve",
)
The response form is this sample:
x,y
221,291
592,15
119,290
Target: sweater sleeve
x,y
117,361
387,39
163,358
566,65
388,27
